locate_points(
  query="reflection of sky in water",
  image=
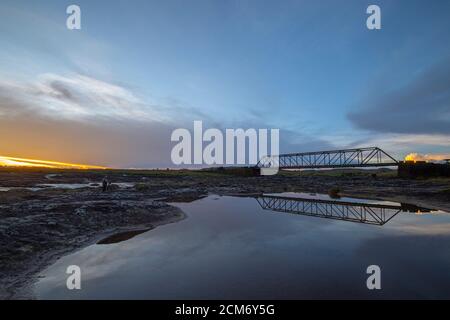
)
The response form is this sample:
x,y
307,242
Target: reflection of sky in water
x,y
231,248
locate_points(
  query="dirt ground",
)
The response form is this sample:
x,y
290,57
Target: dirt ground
x,y
39,223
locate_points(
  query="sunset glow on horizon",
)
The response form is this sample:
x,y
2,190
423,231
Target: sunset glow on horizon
x,y
426,157
21,162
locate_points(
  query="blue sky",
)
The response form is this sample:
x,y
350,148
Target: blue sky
x,y
139,68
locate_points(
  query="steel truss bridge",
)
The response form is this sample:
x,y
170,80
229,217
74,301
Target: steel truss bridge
x,y
359,157
369,213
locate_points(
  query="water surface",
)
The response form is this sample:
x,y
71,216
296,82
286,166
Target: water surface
x,y
233,248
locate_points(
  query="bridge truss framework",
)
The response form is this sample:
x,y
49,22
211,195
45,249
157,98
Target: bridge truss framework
x,y
358,157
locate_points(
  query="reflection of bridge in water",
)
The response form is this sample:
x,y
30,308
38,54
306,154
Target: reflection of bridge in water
x,y
370,213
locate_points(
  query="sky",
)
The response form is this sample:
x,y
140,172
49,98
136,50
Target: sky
x,y
112,93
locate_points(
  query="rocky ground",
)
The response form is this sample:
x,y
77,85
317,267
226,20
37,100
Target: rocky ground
x,y
38,226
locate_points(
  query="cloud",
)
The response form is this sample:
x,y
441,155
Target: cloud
x,y
85,120
111,143
409,140
420,107
76,97
81,119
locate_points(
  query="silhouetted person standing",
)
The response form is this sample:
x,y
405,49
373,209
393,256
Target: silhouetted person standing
x,y
105,184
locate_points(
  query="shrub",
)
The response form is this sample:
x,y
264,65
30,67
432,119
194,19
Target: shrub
x,y
334,192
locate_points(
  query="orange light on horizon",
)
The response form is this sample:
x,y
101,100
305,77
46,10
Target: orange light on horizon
x,y
21,162
426,157
412,157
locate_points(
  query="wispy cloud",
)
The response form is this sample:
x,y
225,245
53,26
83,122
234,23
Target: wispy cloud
x,y
396,144
76,97
76,118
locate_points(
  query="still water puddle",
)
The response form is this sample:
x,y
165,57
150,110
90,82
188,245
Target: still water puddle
x,y
73,186
271,247
82,185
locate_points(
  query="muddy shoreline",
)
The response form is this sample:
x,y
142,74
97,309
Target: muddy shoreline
x,y
39,226
49,228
